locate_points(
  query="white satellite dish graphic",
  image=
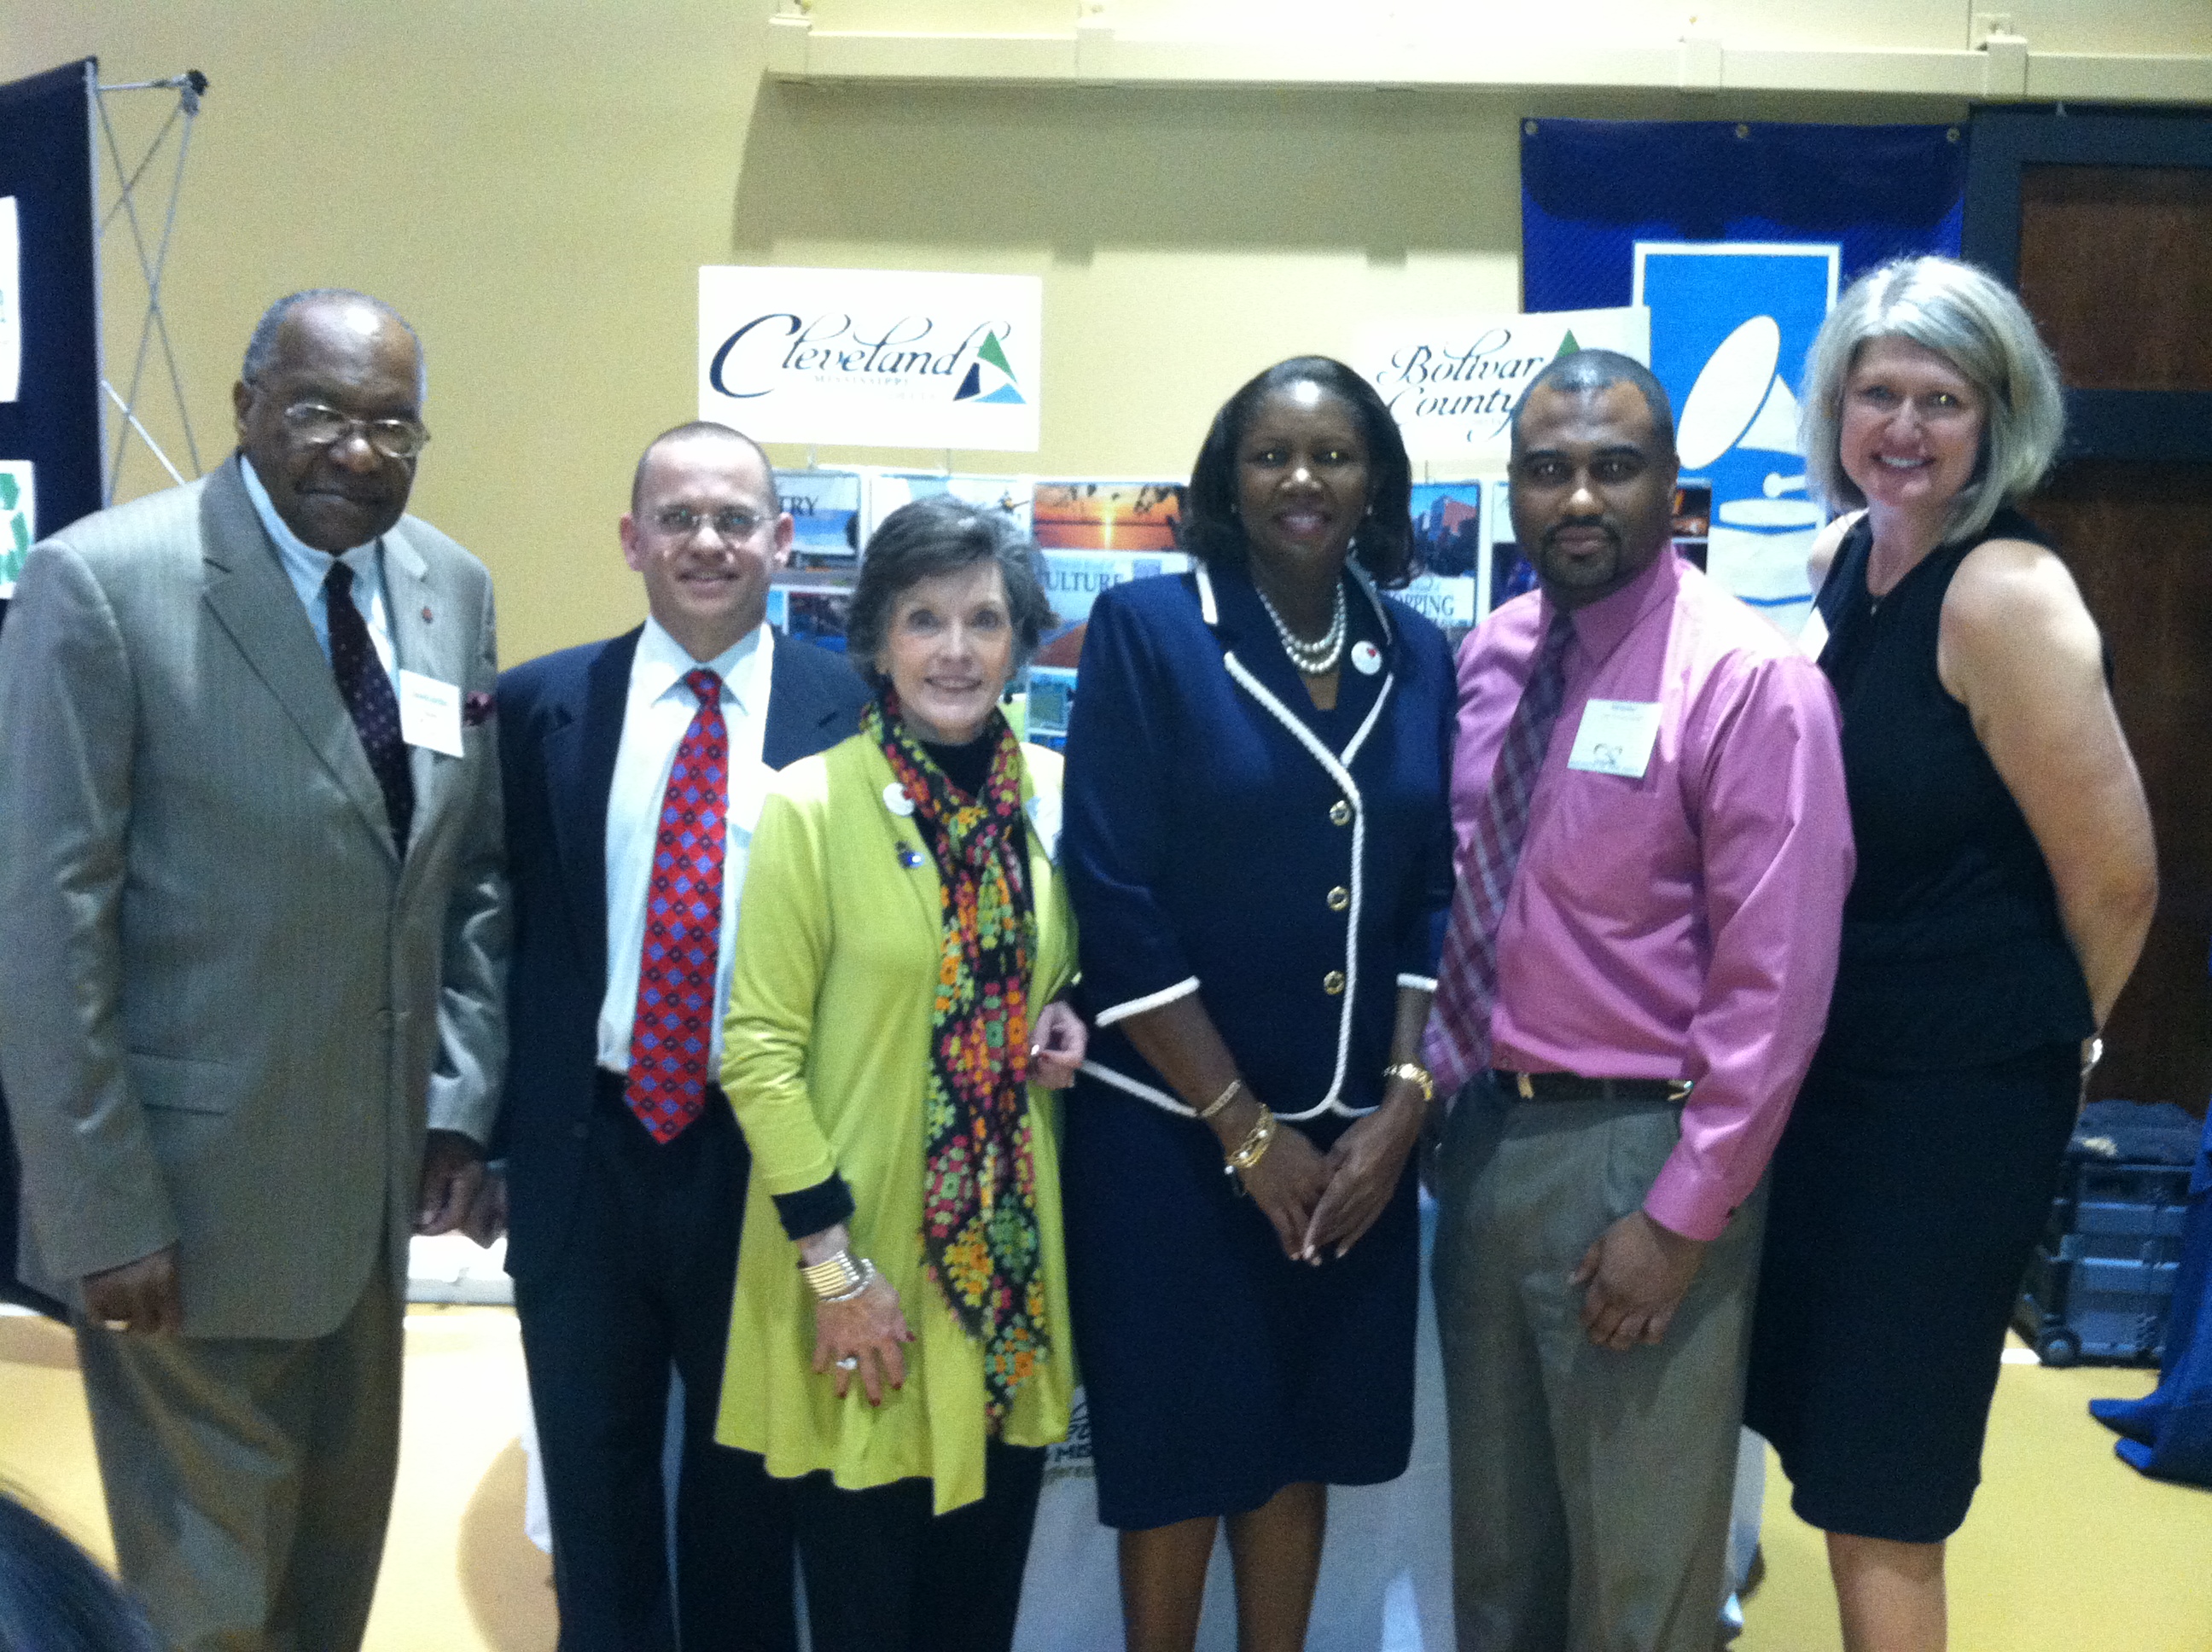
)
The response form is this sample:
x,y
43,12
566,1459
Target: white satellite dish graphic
x,y
1758,545
1739,400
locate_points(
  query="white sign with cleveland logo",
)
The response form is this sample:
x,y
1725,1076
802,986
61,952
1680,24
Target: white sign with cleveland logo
x,y
871,358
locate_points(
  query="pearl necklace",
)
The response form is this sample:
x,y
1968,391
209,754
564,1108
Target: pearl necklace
x,y
1317,658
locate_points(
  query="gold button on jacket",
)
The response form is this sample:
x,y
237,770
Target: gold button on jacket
x,y
1339,898
1333,982
1340,812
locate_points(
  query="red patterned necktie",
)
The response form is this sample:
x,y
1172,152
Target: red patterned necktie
x,y
671,1035
1456,1045
365,688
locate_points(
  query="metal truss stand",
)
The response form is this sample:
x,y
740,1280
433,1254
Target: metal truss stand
x,y
153,328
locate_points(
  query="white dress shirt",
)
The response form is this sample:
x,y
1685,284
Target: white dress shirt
x,y
308,567
655,717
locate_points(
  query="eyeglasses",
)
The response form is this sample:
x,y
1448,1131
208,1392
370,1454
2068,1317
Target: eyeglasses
x,y
731,522
319,426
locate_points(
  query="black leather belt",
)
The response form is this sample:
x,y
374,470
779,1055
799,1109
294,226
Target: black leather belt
x,y
1573,1087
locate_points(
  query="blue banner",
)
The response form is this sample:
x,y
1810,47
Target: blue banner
x,y
1591,189
1737,238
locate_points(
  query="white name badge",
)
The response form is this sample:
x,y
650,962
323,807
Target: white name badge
x,y
1616,738
1044,816
430,712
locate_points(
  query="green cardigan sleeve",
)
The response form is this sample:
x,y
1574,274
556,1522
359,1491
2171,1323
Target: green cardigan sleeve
x,y
784,934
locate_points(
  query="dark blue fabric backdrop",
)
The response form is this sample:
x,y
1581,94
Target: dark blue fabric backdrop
x,y
45,163
1591,189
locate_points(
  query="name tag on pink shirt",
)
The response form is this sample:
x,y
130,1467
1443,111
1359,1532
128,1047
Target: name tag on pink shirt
x,y
1616,738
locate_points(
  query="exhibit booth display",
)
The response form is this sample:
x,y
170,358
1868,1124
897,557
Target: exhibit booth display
x,y
1727,240
857,358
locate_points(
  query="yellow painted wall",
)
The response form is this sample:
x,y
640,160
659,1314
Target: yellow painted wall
x,y
534,185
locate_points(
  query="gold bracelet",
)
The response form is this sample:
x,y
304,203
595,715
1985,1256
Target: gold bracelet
x,y
867,1277
1220,1101
836,1277
1248,1151
1414,1074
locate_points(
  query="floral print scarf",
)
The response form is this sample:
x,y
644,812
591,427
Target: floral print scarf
x,y
979,1221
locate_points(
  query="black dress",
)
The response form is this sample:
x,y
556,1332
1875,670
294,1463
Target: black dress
x,y
1918,1166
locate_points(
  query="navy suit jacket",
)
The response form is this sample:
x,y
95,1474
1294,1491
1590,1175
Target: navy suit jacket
x,y
1291,866
559,722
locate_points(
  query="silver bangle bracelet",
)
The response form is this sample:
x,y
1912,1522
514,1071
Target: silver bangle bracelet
x,y
867,1277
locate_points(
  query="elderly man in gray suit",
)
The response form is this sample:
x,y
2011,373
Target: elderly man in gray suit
x,y
250,946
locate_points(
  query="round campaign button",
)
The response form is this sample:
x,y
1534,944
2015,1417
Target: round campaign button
x,y
896,800
1366,659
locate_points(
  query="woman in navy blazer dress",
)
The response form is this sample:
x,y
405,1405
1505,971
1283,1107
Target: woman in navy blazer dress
x,y
1258,850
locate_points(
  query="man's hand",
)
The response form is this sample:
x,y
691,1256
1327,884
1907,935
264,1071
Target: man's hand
x,y
140,1296
452,1173
487,1217
1637,1272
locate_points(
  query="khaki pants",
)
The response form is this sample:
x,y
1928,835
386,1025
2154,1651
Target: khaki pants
x,y
249,1480
1590,1490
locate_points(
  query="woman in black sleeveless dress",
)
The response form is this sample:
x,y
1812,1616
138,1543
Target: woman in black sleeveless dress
x,y
2005,883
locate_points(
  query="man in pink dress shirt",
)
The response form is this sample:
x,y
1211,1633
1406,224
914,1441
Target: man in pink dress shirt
x,y
1663,957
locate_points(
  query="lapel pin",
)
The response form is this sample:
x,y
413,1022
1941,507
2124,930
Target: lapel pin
x,y
910,857
896,800
426,614
1366,659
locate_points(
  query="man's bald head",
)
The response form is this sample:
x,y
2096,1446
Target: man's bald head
x,y
702,430
1595,370
261,346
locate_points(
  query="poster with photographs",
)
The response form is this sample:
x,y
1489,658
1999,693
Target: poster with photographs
x,y
810,606
888,490
1449,544
825,516
1051,695
1095,535
1509,574
808,596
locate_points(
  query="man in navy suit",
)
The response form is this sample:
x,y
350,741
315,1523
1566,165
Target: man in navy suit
x,y
625,1171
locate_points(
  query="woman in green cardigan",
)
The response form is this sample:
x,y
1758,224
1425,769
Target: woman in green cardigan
x,y
899,1341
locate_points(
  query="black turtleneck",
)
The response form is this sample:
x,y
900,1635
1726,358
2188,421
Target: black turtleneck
x,y
967,765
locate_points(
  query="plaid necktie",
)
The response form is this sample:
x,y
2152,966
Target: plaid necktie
x,y
1456,1045
670,1034
365,689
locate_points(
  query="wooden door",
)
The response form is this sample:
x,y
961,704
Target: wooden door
x,y
2104,225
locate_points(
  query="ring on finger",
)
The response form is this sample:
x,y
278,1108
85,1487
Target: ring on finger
x,y
850,1363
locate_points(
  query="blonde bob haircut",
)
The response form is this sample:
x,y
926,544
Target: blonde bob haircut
x,y
1974,322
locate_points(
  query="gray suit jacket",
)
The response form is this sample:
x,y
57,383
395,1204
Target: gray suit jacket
x,y
227,1005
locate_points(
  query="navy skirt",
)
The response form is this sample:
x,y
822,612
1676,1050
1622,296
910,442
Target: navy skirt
x,y
1904,1209
1216,1369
